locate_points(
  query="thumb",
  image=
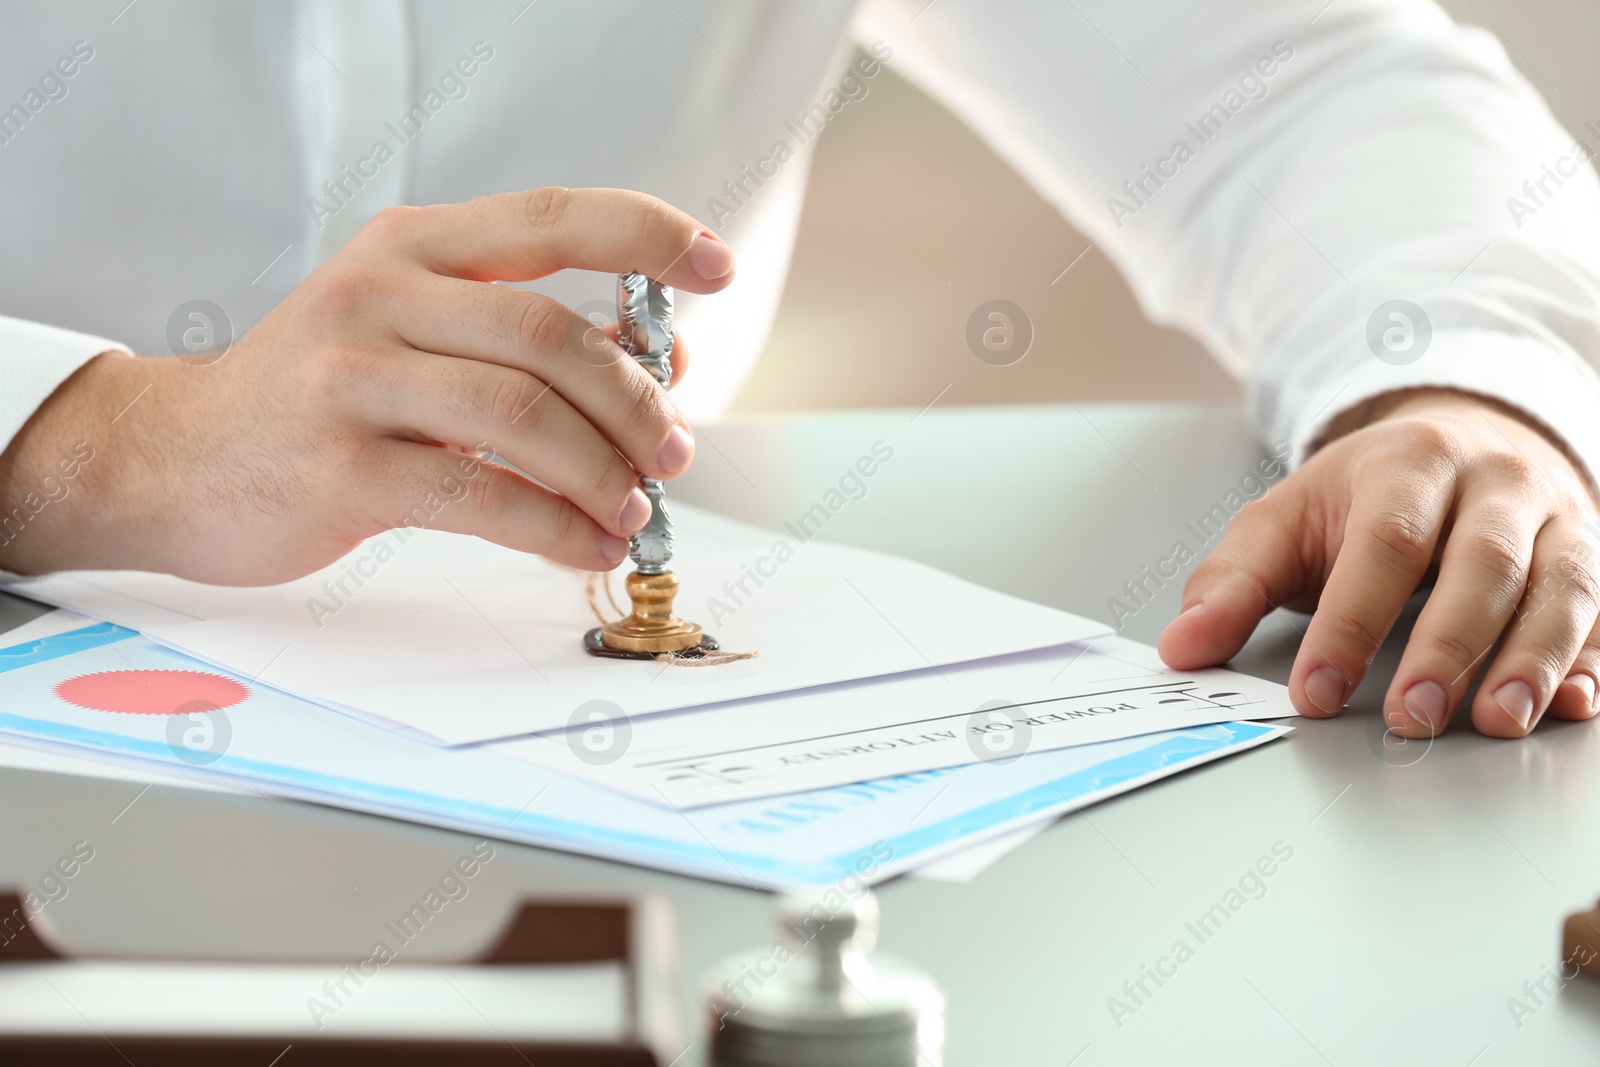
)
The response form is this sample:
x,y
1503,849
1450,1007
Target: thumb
x,y
1257,566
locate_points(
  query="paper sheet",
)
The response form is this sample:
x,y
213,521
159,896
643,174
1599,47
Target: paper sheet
x,y
461,641
959,868
16,754
281,745
994,711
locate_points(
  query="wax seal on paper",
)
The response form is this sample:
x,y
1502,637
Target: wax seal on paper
x,y
818,997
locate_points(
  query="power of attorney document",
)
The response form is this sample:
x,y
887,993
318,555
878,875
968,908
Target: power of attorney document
x,y
960,867
993,712
457,640
106,692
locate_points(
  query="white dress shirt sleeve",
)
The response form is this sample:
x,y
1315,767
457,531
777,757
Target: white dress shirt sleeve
x,y
34,360
1337,157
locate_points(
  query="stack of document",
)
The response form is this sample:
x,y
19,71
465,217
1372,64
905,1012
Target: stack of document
x,y
895,719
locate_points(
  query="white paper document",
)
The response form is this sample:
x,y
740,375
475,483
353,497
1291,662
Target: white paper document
x,y
459,641
1091,664
107,691
18,755
993,711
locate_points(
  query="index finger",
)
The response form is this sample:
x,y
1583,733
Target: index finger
x,y
525,235
1256,567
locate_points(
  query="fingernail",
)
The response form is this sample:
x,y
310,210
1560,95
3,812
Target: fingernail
x,y
677,452
635,511
1517,700
710,258
1191,609
1583,683
1325,688
1426,702
613,548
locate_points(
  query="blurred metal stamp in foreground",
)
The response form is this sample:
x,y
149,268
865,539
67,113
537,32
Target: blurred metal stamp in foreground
x,y
645,311
819,997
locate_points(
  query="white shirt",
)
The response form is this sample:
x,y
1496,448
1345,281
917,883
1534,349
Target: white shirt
x,y
1267,177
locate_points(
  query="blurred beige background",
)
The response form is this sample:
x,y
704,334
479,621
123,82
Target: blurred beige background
x,y
984,229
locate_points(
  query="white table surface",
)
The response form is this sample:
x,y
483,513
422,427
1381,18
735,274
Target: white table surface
x,y
1427,882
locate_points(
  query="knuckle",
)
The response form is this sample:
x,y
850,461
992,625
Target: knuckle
x,y
490,495
1588,654
614,477
1404,537
540,326
1548,663
1216,566
1357,631
394,223
657,222
350,290
514,398
1577,577
1426,438
1542,663
333,374
1563,597
1573,504
1496,555
546,208
1450,645
1424,451
566,522
1511,470
647,407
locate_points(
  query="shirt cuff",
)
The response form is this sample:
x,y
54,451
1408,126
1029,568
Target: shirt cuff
x,y
34,360
1552,388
